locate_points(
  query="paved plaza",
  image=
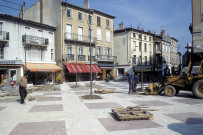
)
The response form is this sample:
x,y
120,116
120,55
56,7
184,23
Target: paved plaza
x,y
64,112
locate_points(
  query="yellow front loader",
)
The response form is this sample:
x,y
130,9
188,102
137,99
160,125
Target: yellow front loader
x,y
191,81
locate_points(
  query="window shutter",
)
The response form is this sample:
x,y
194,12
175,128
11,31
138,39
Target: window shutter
x,y
111,52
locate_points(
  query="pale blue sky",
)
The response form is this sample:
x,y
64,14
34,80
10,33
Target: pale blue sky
x,y
174,16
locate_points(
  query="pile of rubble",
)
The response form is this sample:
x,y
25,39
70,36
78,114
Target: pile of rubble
x,y
46,87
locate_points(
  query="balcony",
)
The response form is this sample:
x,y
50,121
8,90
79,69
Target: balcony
x,y
35,41
92,58
79,38
68,57
4,36
158,51
81,57
106,58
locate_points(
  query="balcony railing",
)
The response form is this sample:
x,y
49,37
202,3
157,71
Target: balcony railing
x,y
92,58
106,58
81,57
80,38
33,40
69,57
4,36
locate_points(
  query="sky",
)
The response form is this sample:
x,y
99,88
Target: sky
x,y
174,16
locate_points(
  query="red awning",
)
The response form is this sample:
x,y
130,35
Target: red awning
x,y
83,68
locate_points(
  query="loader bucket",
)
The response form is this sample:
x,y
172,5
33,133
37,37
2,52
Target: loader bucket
x,y
152,89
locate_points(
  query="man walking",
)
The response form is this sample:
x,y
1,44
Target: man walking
x,y
23,87
131,82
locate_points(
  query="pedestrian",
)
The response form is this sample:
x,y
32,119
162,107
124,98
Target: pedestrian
x,y
167,72
23,87
107,78
136,81
131,82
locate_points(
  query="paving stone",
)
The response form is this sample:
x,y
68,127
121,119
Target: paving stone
x,y
40,99
189,101
82,93
46,108
102,105
52,93
189,118
115,125
40,128
1,108
151,103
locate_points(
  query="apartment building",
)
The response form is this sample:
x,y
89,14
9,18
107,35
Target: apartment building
x,y
133,46
170,55
27,45
77,29
196,27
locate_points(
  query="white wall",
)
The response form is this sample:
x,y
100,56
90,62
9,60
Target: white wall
x,y
14,49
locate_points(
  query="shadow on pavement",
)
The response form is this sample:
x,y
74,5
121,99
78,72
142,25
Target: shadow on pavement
x,y
183,129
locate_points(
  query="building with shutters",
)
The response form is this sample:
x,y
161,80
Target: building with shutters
x,y
27,45
74,25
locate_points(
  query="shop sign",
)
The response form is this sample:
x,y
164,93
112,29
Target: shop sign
x,y
11,62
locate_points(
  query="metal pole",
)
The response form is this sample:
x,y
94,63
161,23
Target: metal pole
x,y
90,57
25,54
76,66
62,50
141,64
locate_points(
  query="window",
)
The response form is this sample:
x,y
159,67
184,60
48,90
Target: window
x,y
145,60
140,59
81,51
36,54
91,35
12,74
140,36
108,38
1,28
91,52
120,71
150,38
134,36
69,50
80,33
145,37
145,47
89,18
140,46
68,31
98,34
98,21
107,23
1,52
134,59
52,54
150,47
69,13
80,16
134,44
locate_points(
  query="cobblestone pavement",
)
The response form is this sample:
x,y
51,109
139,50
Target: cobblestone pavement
x,y
66,113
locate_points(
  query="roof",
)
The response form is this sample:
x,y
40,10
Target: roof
x,y
136,30
13,18
174,39
91,11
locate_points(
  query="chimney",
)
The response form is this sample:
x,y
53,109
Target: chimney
x,y
162,32
121,26
22,10
41,11
149,31
86,4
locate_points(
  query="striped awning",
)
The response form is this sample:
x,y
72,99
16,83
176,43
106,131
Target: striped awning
x,y
38,67
82,68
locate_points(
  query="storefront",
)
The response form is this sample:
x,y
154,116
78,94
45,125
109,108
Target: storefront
x,y
106,70
10,70
41,73
81,71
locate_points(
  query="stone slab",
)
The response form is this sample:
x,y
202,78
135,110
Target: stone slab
x,y
2,108
41,99
151,103
102,105
40,128
189,101
46,108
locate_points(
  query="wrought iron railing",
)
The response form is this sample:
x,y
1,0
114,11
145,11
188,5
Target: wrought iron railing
x,y
92,58
69,57
81,57
81,38
35,40
4,35
106,58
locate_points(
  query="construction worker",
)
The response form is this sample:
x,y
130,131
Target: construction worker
x,y
23,87
136,81
131,82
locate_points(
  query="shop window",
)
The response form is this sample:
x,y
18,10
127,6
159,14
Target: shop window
x,y
1,52
13,74
120,71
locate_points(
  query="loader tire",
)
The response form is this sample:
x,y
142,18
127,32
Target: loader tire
x,y
198,89
170,91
